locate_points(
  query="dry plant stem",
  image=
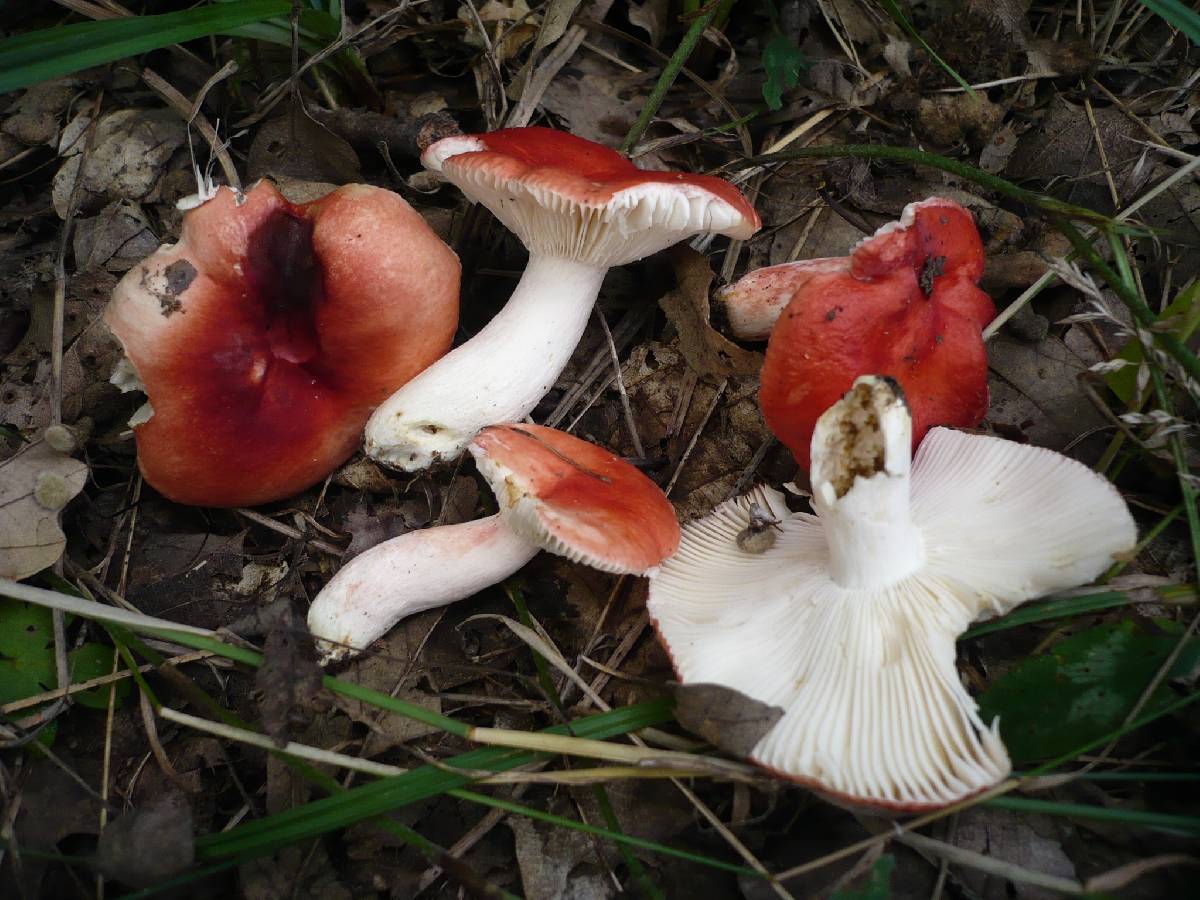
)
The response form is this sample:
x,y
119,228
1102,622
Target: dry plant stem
x,y
908,827
669,74
189,111
981,863
630,423
98,681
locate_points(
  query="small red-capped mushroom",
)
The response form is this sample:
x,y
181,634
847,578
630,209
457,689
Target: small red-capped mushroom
x,y
556,493
580,209
266,336
904,304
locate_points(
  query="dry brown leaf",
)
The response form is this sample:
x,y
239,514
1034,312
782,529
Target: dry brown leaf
x,y
35,484
706,351
148,845
727,719
128,154
553,863
1004,835
289,680
299,149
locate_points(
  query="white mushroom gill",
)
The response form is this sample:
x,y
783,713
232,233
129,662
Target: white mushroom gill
x,y
849,621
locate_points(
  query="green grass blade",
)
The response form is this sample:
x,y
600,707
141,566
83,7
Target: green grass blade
x,y
1066,607
333,813
40,55
1189,825
1177,15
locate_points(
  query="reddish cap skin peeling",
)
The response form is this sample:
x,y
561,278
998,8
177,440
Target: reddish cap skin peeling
x,y
905,305
587,172
269,332
589,505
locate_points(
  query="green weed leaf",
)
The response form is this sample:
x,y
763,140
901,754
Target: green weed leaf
x,y
91,661
40,55
1081,689
782,61
878,885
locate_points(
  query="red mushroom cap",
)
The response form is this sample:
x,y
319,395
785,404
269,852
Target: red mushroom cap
x,y
905,305
268,333
531,177
576,499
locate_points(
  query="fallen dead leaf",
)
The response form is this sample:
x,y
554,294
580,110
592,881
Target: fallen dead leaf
x,y
150,844
727,719
556,863
129,152
289,681
297,148
1003,835
1037,396
706,350
35,484
117,239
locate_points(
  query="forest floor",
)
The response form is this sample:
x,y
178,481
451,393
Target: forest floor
x,y
1093,104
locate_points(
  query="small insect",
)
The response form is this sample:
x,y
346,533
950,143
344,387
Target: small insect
x,y
759,535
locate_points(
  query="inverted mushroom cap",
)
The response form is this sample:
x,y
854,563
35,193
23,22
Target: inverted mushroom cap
x,y
268,333
575,499
903,304
848,621
569,197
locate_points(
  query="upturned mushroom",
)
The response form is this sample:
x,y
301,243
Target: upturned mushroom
x,y
580,209
556,493
266,336
848,619
904,303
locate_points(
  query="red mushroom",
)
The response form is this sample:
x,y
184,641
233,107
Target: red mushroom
x,y
556,493
903,304
268,333
580,209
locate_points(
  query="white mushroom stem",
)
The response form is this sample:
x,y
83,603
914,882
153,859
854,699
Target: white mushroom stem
x,y
870,532
409,574
497,376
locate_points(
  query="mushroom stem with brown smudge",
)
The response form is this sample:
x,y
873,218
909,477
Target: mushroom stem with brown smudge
x,y
556,493
579,208
848,619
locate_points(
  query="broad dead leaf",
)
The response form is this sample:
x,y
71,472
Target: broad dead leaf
x,y
148,845
35,484
727,719
554,863
706,351
299,149
289,681
1004,835
128,154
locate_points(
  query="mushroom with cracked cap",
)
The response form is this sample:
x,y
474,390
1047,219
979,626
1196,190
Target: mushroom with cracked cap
x,y
904,303
580,209
848,619
266,336
556,492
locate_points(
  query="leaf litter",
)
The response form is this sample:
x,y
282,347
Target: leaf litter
x,y
692,394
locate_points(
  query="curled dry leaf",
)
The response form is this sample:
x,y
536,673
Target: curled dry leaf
x,y
35,484
706,351
726,718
